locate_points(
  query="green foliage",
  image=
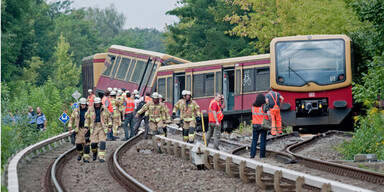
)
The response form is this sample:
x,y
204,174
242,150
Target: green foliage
x,y
368,136
67,74
263,20
201,32
372,83
147,39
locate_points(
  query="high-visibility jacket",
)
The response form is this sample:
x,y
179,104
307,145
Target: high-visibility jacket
x,y
91,99
189,112
219,113
258,115
156,112
129,105
147,99
109,105
103,100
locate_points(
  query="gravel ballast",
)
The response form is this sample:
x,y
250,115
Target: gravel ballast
x,y
162,172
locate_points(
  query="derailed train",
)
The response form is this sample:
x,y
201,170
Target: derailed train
x,y
313,73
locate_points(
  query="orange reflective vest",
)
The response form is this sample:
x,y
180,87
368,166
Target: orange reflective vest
x,y
258,115
129,105
109,105
219,113
147,99
91,99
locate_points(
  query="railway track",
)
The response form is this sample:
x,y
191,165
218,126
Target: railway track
x,y
338,169
290,155
54,177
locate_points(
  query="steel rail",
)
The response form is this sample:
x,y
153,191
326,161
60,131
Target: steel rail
x,y
339,169
118,172
12,169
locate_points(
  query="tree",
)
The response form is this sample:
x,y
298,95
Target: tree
x,y
30,74
201,32
66,74
264,19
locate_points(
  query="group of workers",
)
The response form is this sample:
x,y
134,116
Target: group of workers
x,y
98,119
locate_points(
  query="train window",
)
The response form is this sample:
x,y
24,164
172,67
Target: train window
x,y
169,89
238,82
153,74
249,80
218,81
161,89
209,84
123,68
130,70
203,85
262,79
110,65
115,67
139,71
188,83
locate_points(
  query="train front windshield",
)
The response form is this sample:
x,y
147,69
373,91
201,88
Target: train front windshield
x,y
318,61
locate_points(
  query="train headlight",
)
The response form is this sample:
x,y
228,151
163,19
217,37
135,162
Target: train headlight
x,y
302,106
320,105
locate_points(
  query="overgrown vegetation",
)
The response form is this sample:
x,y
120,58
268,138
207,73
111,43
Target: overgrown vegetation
x,y
43,43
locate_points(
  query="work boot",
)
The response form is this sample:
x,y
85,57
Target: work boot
x,y
85,161
94,157
79,157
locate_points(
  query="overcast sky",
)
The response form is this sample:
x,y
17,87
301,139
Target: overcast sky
x,y
138,13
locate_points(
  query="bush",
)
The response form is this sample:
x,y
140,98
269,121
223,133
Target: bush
x,y
368,136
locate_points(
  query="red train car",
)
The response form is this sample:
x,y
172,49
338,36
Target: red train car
x,y
132,68
313,73
238,79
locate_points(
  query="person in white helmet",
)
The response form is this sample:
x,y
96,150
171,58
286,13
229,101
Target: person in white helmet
x,y
189,112
168,117
77,120
156,114
98,119
91,97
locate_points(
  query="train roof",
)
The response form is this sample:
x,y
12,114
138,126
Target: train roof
x,y
227,61
149,53
96,56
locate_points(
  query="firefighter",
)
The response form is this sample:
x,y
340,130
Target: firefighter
x,y
168,117
156,114
273,100
189,113
215,116
82,132
177,104
129,106
91,97
120,98
115,105
98,120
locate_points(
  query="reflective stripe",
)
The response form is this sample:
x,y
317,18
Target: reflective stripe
x,y
219,114
258,115
130,105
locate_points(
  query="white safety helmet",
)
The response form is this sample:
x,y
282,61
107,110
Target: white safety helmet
x,y
188,93
126,92
184,92
109,89
135,92
160,96
113,93
119,92
89,90
115,89
83,101
155,95
97,100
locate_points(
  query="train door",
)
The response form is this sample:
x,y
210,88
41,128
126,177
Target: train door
x,y
178,86
229,88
